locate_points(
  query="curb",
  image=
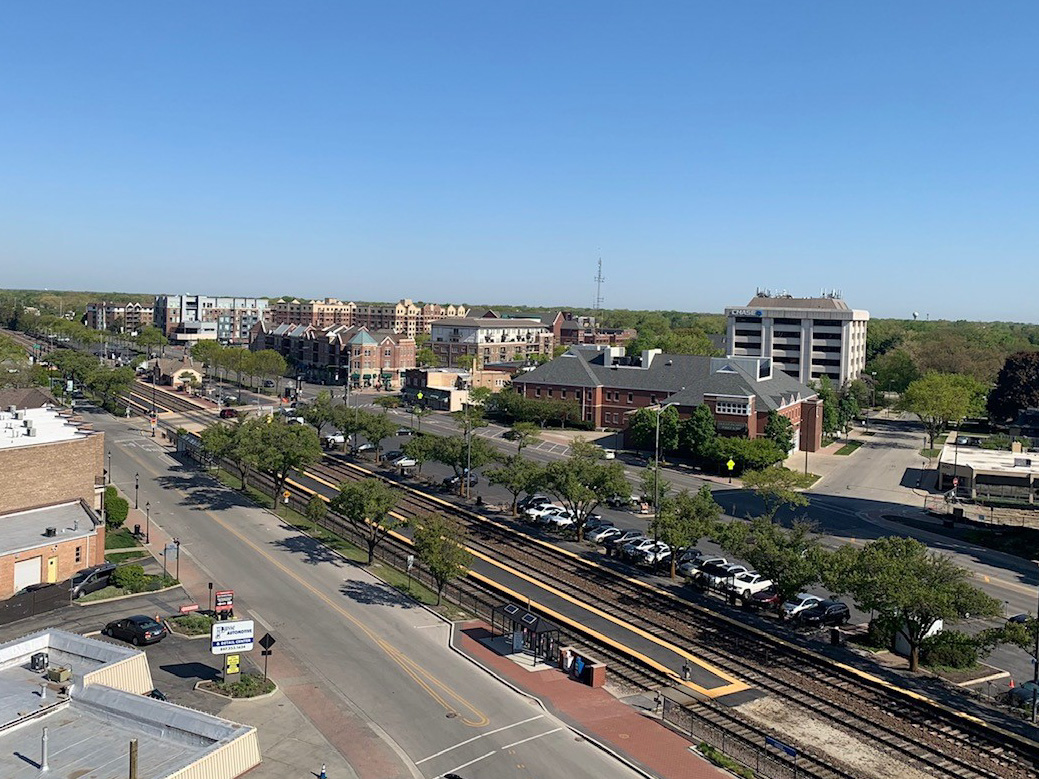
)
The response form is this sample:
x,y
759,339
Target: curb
x,y
198,687
88,604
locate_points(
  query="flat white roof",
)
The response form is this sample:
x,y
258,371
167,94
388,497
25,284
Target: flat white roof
x,y
29,426
989,460
23,530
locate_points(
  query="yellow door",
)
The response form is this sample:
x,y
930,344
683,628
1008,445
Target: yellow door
x,y
52,569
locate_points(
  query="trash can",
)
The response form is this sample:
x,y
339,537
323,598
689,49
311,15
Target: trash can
x,y
136,530
837,638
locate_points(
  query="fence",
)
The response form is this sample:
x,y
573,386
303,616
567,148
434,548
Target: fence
x,y
34,602
756,757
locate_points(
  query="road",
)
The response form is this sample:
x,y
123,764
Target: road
x,y
358,650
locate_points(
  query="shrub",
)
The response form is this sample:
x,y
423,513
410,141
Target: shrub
x,y
117,508
193,624
131,578
950,649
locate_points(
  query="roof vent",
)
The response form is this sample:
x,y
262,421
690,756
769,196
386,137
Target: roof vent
x,y
51,532
31,432
669,362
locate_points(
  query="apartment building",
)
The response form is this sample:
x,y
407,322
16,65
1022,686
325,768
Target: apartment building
x,y
740,391
489,339
806,338
370,358
131,317
234,317
404,316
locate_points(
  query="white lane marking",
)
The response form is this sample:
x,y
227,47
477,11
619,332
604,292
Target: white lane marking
x,y
458,768
434,625
525,740
260,619
476,738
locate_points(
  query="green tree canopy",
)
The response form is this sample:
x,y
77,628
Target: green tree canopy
x,y
377,428
910,587
440,545
698,435
583,480
367,504
942,399
1017,387
318,412
277,448
780,430
793,559
517,475
684,519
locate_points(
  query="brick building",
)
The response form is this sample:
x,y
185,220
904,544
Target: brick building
x,y
50,498
403,317
739,391
130,317
489,339
329,355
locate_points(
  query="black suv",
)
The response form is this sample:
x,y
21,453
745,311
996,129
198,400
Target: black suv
x,y
828,613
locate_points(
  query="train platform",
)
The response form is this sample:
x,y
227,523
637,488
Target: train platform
x,y
638,738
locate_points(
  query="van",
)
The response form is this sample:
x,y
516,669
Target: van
x,y
92,579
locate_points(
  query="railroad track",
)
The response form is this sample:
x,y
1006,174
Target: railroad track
x,y
913,731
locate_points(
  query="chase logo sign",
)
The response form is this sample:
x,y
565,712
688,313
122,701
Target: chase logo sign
x,y
746,312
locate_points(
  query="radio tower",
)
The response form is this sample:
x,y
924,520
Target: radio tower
x,y
598,299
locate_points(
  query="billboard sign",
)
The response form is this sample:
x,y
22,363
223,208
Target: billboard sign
x,y
231,637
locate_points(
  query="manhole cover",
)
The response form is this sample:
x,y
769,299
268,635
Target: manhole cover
x,y
452,714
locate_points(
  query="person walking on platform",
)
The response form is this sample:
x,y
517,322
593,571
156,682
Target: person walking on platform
x,y
687,671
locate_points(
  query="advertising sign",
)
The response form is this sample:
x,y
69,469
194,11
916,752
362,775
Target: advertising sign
x,y
232,637
224,600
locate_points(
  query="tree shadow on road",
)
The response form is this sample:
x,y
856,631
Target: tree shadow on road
x,y
374,594
312,551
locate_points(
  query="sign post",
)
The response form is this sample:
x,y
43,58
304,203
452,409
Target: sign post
x,y
410,565
224,604
266,642
730,465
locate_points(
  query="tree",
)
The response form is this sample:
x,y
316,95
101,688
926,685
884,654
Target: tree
x,y
236,360
583,481
455,452
941,399
910,587
828,395
779,430
684,519
426,358
347,420
642,429
418,412
525,434
847,410
465,361
420,448
386,402
698,435
109,384
748,453
517,475
206,352
280,448
777,487
232,443
792,559
439,544
1017,387
377,428
269,364
895,370
316,508
150,337
319,412
367,504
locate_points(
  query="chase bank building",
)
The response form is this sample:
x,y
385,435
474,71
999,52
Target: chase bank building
x,y
807,338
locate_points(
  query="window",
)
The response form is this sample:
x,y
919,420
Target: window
x,y
653,400
79,554
631,398
550,393
732,407
562,393
537,392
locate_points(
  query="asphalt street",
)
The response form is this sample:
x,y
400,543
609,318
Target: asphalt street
x,y
373,653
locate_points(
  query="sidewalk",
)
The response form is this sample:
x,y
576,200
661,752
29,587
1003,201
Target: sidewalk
x,y
300,728
639,739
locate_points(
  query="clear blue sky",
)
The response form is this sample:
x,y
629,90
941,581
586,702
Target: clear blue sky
x,y
491,152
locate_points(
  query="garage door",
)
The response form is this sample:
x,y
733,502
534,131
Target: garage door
x,y
27,572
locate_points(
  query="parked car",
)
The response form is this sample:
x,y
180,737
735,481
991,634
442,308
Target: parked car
x,y
452,482
746,584
594,522
714,575
536,512
609,454
137,629
765,599
533,501
693,568
511,435
560,520
601,534
363,448
622,538
802,602
393,454
268,383
634,548
405,462
92,579
405,431
334,440
657,554
827,613
622,502
228,413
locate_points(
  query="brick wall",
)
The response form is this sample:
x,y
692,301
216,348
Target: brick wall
x,y
45,474
91,552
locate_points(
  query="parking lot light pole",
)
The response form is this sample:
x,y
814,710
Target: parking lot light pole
x,y
109,474
656,472
136,487
148,522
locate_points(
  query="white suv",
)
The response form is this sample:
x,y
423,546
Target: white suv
x,y
746,584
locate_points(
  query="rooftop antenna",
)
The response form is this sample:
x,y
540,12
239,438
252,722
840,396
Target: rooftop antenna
x,y
599,279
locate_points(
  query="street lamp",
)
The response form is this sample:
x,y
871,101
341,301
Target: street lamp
x,y
148,522
108,473
656,471
136,487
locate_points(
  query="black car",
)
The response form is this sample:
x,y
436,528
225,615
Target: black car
x,y
451,482
828,613
511,435
91,579
137,629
